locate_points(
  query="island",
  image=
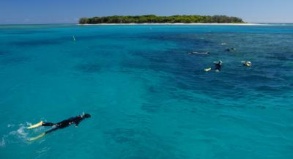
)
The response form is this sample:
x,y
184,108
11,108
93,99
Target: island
x,y
160,19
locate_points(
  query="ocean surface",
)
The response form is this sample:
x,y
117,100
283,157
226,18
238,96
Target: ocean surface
x,y
148,95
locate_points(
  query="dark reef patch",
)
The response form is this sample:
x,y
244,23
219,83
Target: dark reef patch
x,y
14,60
150,107
2,53
121,135
89,68
32,43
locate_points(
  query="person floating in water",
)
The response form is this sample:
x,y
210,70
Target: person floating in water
x,y
246,63
199,53
60,125
231,49
218,66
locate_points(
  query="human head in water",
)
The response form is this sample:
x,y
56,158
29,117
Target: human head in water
x,y
85,115
247,63
218,65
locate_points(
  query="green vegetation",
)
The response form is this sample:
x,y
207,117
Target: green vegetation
x,y
161,19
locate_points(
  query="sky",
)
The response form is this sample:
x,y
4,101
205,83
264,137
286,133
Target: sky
x,y
69,11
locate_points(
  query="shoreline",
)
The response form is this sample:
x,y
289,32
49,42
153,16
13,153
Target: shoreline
x,y
153,24
191,24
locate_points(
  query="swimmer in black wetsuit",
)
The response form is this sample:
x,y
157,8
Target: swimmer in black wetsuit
x,y
218,65
60,125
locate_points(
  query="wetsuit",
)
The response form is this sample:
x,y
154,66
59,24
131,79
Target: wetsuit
x,y
218,66
65,123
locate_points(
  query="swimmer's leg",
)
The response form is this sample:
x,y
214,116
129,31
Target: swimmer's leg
x,y
41,123
43,134
36,125
48,124
51,130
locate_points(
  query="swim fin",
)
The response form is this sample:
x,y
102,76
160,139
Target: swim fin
x,y
35,125
37,137
207,69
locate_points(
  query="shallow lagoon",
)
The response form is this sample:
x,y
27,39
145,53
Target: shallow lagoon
x,y
149,98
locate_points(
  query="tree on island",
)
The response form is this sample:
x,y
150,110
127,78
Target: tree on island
x,y
161,19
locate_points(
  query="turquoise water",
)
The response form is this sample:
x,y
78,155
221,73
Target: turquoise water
x,y
148,97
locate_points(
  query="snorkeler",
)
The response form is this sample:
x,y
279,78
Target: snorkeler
x,y
199,53
231,49
246,63
60,125
218,66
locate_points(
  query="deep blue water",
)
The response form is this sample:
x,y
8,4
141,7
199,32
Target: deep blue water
x,y
148,97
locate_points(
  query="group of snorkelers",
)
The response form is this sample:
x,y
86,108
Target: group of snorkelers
x,y
77,119
218,64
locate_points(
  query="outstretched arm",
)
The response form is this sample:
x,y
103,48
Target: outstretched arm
x,y
76,123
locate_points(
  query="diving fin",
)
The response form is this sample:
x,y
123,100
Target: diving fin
x,y
37,137
35,125
207,69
